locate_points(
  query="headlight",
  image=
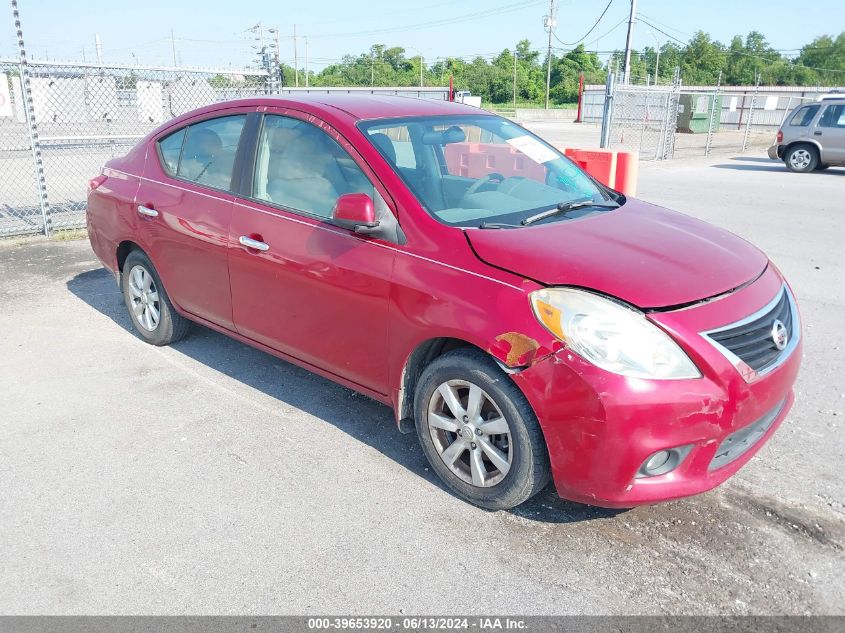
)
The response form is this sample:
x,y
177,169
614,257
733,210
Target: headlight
x,y
610,335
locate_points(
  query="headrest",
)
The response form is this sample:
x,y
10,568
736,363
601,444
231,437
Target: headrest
x,y
385,145
202,142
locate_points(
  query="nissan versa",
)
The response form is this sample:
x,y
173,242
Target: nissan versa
x,y
527,321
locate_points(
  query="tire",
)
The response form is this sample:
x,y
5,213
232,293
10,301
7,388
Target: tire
x,y
801,158
145,296
821,167
476,454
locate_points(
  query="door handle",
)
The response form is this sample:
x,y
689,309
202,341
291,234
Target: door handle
x,y
147,211
247,241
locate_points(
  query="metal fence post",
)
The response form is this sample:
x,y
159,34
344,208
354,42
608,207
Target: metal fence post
x,y
608,111
715,100
750,113
32,125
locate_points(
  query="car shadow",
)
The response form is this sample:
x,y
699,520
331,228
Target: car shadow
x,y
753,159
759,165
356,415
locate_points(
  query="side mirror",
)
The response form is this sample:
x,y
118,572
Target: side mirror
x,y
355,211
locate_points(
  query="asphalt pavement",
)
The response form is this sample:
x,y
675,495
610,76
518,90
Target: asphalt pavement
x,y
211,478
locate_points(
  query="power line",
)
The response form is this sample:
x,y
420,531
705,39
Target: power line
x,y
592,28
441,21
672,37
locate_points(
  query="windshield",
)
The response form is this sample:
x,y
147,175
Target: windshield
x,y
483,170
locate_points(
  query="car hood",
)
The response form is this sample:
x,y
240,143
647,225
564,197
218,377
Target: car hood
x,y
646,255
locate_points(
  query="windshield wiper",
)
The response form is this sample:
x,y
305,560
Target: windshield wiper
x,y
497,225
566,207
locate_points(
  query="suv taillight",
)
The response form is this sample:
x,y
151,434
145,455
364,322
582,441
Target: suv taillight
x,y
780,136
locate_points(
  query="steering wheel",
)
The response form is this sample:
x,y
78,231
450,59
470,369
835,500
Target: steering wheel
x,y
478,184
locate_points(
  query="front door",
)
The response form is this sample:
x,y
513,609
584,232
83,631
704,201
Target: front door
x,y
300,284
831,133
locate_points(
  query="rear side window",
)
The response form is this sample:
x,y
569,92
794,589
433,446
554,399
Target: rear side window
x,y
204,152
208,153
804,116
833,116
170,148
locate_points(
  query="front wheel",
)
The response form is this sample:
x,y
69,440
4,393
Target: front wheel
x,y
478,431
801,158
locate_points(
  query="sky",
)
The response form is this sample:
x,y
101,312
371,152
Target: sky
x,y
215,34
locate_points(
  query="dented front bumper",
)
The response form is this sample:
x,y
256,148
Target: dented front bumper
x,y
601,428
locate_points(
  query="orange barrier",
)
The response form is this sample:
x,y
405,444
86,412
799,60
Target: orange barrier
x,y
627,172
617,170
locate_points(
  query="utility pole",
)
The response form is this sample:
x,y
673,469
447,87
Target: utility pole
x,y
99,48
295,60
514,80
173,46
372,68
626,76
550,26
306,61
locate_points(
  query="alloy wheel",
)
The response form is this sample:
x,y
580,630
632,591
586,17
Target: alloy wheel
x,y
145,300
470,434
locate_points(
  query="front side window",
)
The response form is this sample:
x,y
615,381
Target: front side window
x,y
207,151
804,116
833,116
300,167
483,170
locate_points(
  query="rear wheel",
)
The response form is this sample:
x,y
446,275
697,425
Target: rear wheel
x,y
801,158
478,431
149,306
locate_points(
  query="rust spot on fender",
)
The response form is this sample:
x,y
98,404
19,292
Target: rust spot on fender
x,y
517,349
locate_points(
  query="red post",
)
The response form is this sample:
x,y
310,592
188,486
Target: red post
x,y
451,89
580,96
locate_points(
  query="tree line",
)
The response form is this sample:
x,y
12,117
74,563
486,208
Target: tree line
x,y
701,60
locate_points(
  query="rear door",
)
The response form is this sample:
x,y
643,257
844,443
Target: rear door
x,y
831,133
185,207
317,292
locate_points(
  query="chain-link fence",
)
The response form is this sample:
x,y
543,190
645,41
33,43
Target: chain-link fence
x,y
643,119
60,122
662,122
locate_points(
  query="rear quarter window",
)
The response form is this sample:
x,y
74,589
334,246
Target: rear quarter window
x,y
170,148
804,116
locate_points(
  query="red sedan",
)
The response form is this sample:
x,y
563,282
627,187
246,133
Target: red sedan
x,y
526,320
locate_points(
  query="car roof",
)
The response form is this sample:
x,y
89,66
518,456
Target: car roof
x,y
358,106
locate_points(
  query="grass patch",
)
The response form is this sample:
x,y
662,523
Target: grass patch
x,y
69,234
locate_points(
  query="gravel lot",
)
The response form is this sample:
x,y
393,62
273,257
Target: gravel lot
x,y
211,478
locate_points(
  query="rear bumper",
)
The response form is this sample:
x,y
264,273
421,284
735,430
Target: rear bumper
x,y
600,428
775,152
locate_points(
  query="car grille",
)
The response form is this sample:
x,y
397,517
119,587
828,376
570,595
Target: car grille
x,y
753,340
738,443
